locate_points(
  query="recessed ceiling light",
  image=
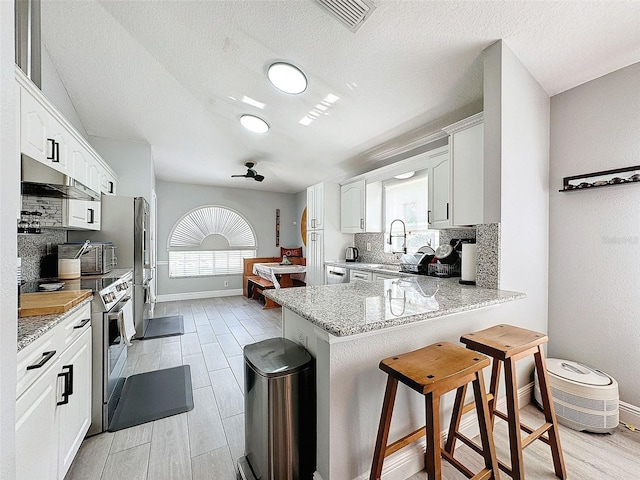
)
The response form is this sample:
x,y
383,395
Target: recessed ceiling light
x,y
254,124
404,176
287,78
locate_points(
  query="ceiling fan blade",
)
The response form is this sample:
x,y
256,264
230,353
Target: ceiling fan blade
x,y
258,178
239,176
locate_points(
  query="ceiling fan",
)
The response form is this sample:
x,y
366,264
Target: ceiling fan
x,y
251,173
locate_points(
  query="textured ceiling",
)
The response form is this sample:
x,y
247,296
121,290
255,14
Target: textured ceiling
x,y
165,72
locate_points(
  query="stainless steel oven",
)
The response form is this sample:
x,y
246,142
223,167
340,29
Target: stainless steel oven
x,y
109,349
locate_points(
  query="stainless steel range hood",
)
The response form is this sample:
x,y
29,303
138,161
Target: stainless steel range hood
x,y
43,181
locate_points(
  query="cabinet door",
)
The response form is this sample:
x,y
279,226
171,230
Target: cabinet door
x,y
36,439
467,157
315,207
82,214
74,417
107,183
80,164
383,276
359,275
439,191
95,170
352,207
311,207
315,258
61,138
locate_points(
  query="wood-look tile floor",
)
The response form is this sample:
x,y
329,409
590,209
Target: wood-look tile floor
x,y
206,442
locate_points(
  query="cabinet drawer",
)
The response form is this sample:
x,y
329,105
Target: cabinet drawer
x,y
36,358
73,327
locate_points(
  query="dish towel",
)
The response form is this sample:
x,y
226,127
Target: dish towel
x,y
125,323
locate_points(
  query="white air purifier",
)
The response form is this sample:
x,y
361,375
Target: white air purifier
x,y
584,398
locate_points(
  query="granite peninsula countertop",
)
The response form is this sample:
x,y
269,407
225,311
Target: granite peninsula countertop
x,y
32,328
358,307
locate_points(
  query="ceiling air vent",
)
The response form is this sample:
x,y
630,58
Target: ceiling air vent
x,y
352,13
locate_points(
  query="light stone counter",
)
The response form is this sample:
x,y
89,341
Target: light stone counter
x,y
348,328
359,307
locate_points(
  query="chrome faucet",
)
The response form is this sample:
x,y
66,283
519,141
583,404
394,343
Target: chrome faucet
x,y
404,236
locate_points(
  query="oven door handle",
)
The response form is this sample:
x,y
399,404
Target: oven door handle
x,y
117,313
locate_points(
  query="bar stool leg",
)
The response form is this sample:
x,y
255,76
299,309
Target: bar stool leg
x,y
550,414
456,415
513,412
383,429
432,454
493,388
484,422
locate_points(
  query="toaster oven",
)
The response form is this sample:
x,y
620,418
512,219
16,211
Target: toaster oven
x,y
99,257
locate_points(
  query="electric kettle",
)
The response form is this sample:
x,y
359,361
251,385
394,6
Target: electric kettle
x,y
352,254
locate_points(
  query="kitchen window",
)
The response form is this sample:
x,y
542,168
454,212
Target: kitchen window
x,y
407,200
209,241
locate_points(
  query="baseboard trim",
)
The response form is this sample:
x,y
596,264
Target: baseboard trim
x,y
629,414
172,297
410,460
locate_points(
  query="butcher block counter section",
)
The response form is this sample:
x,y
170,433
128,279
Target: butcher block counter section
x,y
32,328
48,303
359,307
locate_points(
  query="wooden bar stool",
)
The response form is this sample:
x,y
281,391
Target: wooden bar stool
x,y
508,344
434,371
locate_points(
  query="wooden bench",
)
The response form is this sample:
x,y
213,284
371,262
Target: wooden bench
x,y
255,288
247,270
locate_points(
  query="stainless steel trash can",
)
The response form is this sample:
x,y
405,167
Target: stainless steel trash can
x,y
280,412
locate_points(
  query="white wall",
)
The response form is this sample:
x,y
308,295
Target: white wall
x,y
56,93
9,205
132,162
523,146
595,234
258,208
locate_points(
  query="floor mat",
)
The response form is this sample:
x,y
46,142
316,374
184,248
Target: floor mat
x,y
153,395
164,327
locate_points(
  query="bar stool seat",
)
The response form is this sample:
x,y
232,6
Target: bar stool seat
x,y
507,344
433,371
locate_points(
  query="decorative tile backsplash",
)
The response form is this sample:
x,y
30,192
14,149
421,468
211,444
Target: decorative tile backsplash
x,y
50,207
487,238
39,253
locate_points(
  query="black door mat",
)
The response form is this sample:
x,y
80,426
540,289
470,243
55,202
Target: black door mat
x,y
153,395
164,327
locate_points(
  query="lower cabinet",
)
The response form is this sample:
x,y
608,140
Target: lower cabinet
x,y
53,413
359,275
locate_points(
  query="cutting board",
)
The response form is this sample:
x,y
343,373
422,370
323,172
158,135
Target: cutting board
x,y
48,303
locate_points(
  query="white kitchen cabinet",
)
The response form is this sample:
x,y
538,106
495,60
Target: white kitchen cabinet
x,y
439,213
36,432
95,172
315,206
83,214
107,182
383,276
74,418
466,142
41,135
79,163
359,275
361,207
49,429
315,258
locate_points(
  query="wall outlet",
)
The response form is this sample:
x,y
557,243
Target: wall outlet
x,y
226,283
368,246
302,338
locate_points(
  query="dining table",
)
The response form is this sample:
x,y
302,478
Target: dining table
x,y
277,273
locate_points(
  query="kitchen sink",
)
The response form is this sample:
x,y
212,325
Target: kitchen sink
x,y
392,268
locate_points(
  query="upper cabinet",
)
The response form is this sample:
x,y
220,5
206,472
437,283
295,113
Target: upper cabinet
x,y
466,143
47,137
361,207
315,207
439,173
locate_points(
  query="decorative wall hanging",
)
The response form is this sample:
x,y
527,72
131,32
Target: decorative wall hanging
x,y
303,226
605,178
277,227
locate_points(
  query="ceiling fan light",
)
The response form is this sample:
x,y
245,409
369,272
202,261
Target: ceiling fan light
x,y
254,124
287,78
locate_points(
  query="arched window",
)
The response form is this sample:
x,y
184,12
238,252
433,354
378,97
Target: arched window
x,y
209,241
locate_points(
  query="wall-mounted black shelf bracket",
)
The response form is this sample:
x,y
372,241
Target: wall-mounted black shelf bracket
x,y
606,178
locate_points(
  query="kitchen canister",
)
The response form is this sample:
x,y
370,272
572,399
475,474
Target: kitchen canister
x,y
68,268
468,268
